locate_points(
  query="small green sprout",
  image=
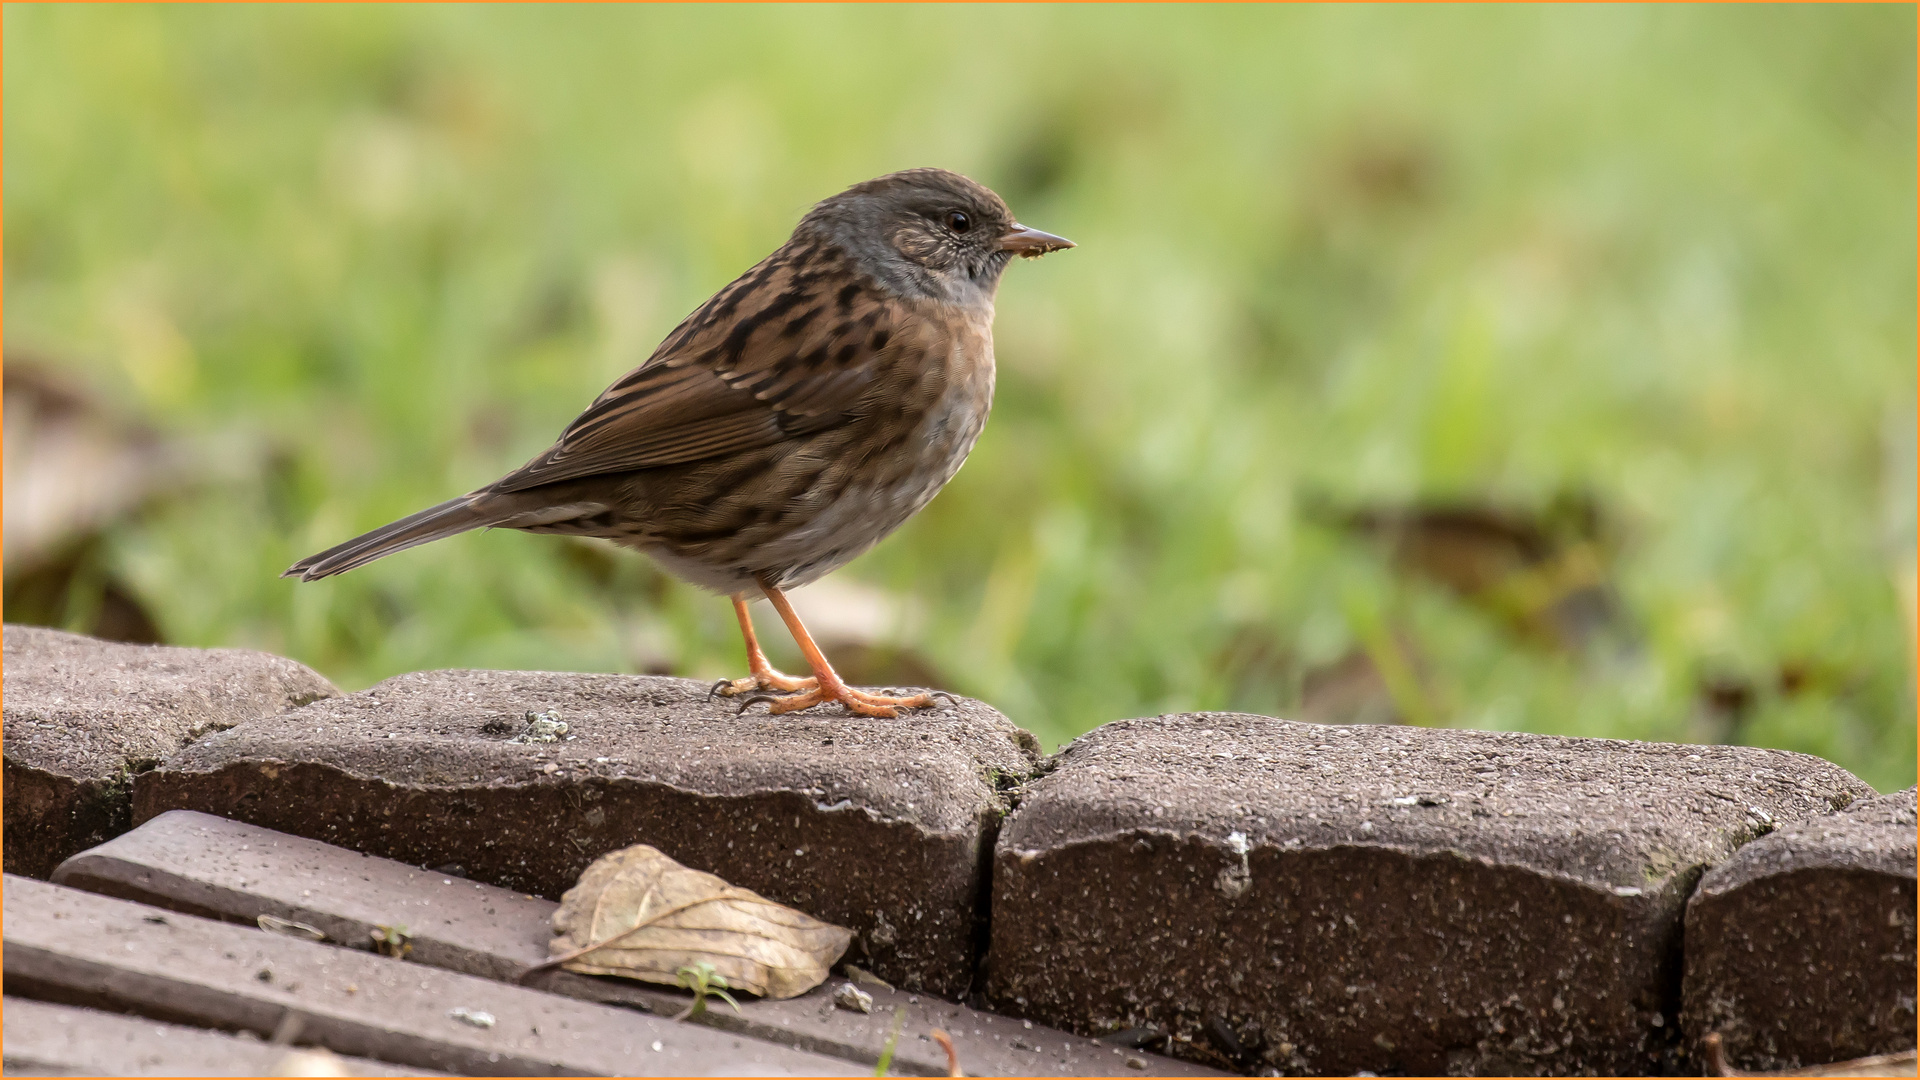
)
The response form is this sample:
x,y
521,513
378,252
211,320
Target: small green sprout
x,y
893,1038
702,979
395,941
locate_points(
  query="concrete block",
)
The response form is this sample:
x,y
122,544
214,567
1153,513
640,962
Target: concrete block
x,y
1322,900
883,826
1800,948
84,716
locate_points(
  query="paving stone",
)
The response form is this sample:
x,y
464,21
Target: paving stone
x,y
211,866
82,716
43,1039
1800,949
882,826
1321,899
76,948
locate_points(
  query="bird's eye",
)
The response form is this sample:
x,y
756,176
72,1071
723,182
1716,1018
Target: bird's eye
x,y
958,221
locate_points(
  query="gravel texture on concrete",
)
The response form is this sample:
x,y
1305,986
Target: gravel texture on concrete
x,y
883,826
1324,899
1800,948
83,716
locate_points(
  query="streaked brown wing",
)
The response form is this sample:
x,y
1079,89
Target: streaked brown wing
x,y
790,347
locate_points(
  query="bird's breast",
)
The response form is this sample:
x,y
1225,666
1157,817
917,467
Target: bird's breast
x,y
960,395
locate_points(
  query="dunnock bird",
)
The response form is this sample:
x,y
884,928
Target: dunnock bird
x,y
796,418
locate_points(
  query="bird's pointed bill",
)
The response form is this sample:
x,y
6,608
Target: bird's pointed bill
x,y
1032,243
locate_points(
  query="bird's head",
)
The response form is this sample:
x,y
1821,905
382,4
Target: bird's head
x,y
929,232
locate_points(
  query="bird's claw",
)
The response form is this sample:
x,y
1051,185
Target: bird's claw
x,y
755,699
856,702
760,683
785,694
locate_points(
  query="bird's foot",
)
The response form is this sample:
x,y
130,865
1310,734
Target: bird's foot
x,y
857,702
761,682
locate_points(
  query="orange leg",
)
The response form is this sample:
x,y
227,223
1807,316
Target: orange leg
x,y
762,676
827,685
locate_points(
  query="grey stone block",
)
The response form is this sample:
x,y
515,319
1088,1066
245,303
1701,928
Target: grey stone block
x,y
882,826
83,716
59,1040
75,948
1319,899
1800,948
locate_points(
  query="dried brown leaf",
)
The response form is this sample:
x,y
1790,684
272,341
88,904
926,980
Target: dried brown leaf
x,y
288,928
639,914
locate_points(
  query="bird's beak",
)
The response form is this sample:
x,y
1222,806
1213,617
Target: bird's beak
x,y
1031,243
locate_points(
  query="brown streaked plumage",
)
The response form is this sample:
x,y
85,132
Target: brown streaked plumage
x,y
790,423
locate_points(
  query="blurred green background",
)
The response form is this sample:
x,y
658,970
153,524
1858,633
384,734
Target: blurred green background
x,y
1506,367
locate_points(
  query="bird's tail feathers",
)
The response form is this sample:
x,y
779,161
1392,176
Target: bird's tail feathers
x,y
433,523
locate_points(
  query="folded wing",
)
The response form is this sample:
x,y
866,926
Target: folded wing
x,y
780,352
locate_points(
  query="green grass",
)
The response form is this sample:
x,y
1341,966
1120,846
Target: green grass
x,y
1343,256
